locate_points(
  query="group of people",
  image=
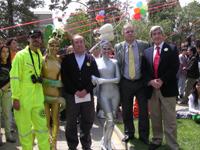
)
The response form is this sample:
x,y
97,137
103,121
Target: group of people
x,y
7,52
188,79
138,69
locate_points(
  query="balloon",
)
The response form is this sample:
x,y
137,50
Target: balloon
x,y
137,16
102,12
100,18
137,10
139,4
143,11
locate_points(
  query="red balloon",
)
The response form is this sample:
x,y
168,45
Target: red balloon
x,y
100,18
137,16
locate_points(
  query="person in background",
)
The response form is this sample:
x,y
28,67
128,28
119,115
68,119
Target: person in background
x,y
5,94
76,71
129,55
182,71
28,96
69,49
13,46
109,101
192,73
198,52
162,64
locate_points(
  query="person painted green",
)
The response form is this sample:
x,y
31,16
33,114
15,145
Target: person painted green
x,y
27,94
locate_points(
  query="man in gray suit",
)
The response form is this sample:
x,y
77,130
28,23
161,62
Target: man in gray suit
x,y
132,83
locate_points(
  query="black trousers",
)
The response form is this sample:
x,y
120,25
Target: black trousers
x,y
85,113
129,89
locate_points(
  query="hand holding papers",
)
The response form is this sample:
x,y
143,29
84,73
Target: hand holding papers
x,y
87,98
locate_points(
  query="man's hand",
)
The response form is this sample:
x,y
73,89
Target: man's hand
x,y
81,94
156,83
16,104
160,82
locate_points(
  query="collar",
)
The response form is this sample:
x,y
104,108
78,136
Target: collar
x,y
80,55
134,44
161,45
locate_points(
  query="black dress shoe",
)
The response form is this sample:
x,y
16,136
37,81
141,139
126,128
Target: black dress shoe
x,y
153,146
127,138
145,141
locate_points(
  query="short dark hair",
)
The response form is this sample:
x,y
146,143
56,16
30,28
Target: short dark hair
x,y
9,41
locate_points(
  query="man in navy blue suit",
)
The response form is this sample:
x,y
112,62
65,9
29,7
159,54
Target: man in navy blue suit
x,y
162,64
76,71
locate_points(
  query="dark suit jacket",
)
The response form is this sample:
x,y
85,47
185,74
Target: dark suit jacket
x,y
75,79
167,70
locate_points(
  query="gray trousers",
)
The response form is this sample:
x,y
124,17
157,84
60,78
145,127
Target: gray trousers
x,y
5,110
163,119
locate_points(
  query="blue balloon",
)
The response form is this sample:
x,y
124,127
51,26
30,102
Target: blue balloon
x,y
139,4
102,12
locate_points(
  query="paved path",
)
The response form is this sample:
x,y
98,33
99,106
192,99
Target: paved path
x,y
62,145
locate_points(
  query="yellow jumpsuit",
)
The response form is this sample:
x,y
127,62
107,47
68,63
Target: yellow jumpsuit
x,y
31,118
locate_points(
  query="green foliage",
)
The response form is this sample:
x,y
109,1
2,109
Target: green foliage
x,y
16,12
56,4
189,19
80,23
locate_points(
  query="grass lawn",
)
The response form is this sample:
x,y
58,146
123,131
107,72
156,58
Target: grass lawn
x,y
188,136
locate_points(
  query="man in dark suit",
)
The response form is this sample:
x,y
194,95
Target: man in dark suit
x,y
132,83
76,71
162,64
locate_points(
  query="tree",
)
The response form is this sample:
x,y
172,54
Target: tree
x,y
14,12
59,4
79,23
188,21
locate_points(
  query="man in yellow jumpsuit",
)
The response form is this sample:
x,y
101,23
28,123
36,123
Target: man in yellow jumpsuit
x,y
27,94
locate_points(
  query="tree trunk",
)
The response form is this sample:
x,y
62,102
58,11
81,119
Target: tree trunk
x,y
10,17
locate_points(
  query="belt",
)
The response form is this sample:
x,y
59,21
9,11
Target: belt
x,y
134,80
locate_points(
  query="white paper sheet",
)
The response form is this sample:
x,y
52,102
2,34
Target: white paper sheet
x,y
87,98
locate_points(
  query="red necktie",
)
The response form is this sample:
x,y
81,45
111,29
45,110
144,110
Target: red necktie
x,y
156,62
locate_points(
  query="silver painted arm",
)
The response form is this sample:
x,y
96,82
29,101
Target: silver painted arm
x,y
96,80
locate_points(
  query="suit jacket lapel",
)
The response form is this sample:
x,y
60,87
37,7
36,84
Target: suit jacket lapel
x,y
151,56
162,52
